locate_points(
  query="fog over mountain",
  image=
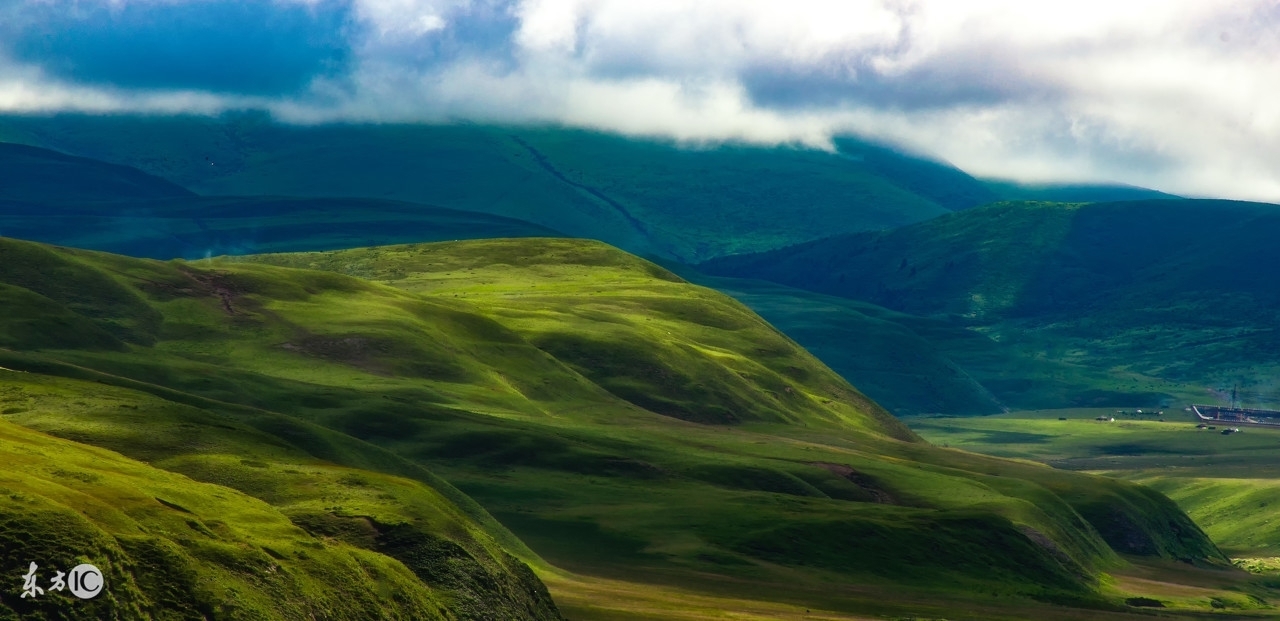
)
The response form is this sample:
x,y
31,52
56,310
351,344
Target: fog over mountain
x,y
1165,94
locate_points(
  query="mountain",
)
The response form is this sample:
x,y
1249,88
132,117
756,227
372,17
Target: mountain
x,y
50,197
196,227
1070,192
626,426
688,203
29,173
1156,299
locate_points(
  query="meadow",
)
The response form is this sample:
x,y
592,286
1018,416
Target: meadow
x,y
519,428
630,437
1228,484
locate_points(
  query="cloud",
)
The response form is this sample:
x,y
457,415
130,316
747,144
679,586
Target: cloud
x,y
1172,94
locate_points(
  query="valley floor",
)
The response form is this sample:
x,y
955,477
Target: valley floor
x,y
1228,483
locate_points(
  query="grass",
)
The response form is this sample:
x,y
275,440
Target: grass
x,y
729,457
882,352
168,545
222,519
1227,484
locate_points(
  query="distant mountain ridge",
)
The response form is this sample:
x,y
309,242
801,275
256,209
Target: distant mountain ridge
x,y
1071,192
55,198
1172,291
650,197
30,173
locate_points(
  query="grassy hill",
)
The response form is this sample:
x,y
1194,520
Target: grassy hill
x,y
1228,483
645,196
623,424
1145,300
878,350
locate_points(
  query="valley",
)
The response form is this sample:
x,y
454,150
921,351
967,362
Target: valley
x,y
612,310
524,425
453,360
1226,483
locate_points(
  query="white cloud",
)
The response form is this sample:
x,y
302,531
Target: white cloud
x,y
1174,94
400,19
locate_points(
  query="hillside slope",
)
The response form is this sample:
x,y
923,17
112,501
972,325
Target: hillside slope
x,y
1174,296
645,196
880,351
621,422
171,547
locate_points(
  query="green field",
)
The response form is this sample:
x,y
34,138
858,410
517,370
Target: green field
x,y
593,415
1228,484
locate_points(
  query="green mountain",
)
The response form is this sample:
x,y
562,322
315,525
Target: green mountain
x,y
687,203
1131,302
628,427
196,227
32,174
1071,192
50,197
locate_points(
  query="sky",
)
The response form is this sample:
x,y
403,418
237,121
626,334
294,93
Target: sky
x,y
1177,95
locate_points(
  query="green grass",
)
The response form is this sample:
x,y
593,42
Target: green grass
x,y
170,546
880,351
257,526
689,202
1227,483
730,461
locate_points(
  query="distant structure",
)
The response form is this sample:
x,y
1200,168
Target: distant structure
x,y
1236,414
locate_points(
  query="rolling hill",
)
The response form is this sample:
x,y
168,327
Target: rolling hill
x,y
1226,482
623,424
653,198
1154,299
878,350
